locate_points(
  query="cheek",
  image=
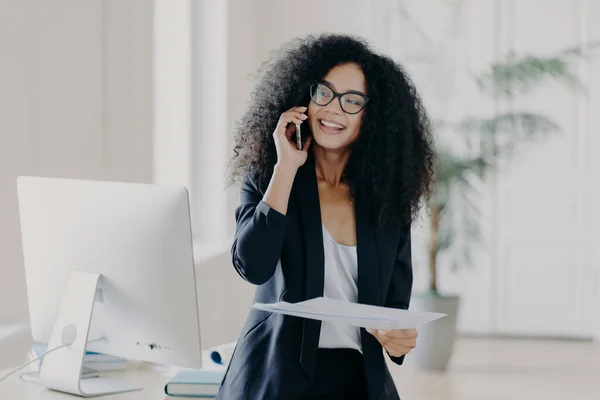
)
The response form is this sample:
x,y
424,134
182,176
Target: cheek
x,y
311,110
354,125
311,115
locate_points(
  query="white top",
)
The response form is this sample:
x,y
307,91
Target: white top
x,y
341,277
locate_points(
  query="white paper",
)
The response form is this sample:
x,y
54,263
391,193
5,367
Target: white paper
x,y
344,312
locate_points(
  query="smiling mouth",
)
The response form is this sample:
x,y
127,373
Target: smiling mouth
x,y
331,125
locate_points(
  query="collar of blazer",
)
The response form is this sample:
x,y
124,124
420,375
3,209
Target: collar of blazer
x,y
307,194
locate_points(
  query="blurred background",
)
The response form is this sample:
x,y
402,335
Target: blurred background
x,y
150,91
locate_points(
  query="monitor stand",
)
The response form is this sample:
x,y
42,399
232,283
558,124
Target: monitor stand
x,y
61,369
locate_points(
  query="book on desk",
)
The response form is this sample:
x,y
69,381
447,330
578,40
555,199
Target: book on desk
x,y
195,383
204,382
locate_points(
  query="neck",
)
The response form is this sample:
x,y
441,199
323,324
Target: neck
x,y
330,165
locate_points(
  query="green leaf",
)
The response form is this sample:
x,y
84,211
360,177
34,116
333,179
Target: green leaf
x,y
523,74
453,168
581,51
510,127
516,124
470,207
502,134
446,233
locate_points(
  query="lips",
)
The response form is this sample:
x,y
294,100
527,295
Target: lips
x,y
330,126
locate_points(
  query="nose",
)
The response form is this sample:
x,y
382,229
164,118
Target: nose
x,y
334,107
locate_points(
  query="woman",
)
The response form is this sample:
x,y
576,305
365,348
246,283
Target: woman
x,y
331,219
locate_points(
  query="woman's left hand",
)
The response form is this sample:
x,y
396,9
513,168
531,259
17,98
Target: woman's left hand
x,y
397,342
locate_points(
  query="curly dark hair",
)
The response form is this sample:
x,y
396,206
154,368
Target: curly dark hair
x,y
392,159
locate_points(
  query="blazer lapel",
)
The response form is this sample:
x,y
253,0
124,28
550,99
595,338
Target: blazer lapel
x,y
368,291
307,193
367,254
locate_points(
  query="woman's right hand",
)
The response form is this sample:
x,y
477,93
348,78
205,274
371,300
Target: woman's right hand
x,y
288,154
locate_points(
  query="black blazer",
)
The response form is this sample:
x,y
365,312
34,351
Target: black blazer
x,y
275,356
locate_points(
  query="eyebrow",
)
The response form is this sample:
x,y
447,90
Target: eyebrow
x,y
350,91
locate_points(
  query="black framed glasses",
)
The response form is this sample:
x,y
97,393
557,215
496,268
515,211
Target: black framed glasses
x,y
350,102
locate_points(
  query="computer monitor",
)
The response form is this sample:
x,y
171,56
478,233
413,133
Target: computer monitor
x,y
109,268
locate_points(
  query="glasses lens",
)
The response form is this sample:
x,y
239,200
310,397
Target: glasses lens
x,y
352,103
321,95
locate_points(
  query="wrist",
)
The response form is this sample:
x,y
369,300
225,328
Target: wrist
x,y
286,169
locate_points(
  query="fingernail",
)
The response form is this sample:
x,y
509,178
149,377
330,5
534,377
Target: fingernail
x,y
383,333
371,331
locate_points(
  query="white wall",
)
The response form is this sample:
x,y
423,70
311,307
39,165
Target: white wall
x,y
538,273
242,60
172,92
75,102
545,217
210,117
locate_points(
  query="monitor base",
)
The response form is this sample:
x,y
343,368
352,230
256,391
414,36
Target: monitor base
x,y
61,368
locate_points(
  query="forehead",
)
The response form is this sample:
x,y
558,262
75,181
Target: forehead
x,y
346,77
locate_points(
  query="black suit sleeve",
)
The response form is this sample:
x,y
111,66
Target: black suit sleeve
x,y
402,278
258,236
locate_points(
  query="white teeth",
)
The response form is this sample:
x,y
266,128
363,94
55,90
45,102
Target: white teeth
x,y
331,124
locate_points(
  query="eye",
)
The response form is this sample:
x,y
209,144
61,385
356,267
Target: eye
x,y
354,100
323,93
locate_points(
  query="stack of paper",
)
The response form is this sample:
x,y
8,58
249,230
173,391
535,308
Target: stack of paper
x,y
354,314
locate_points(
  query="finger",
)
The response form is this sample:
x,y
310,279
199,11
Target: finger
x,y
399,348
402,341
412,333
401,333
404,347
299,109
397,351
381,338
297,118
393,344
405,343
286,120
288,115
386,336
394,352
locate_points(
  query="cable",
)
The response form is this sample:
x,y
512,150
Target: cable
x,y
20,367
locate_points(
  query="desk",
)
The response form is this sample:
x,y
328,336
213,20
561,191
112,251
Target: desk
x,y
153,383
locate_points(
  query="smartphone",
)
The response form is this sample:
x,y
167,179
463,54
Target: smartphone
x,y
302,132
299,136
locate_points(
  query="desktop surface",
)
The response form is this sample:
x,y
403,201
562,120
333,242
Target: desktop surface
x,y
153,383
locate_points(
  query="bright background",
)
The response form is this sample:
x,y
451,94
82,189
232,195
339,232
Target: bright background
x,y
149,91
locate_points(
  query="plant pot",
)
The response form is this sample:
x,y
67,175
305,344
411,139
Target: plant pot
x,y
436,339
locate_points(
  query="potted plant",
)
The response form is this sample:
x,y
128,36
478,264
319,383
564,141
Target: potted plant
x,y
454,209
